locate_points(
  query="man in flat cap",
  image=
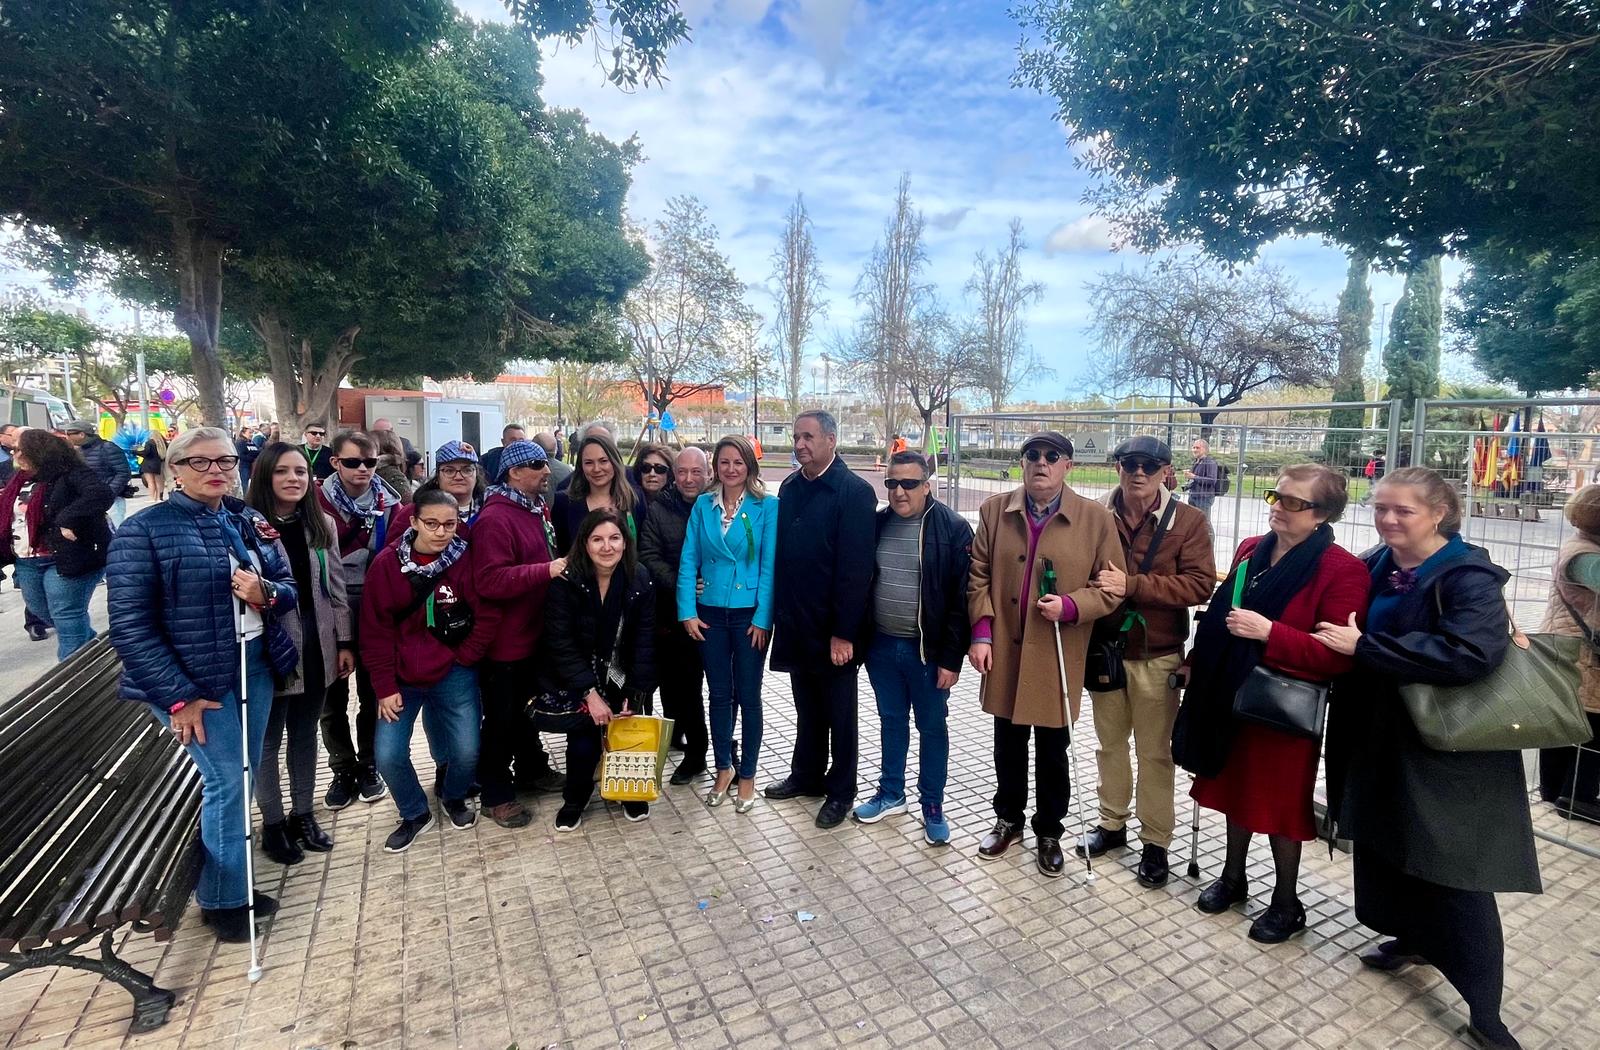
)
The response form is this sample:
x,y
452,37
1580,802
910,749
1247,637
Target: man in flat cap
x,y
1168,567
1041,531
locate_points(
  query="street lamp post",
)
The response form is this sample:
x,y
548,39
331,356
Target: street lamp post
x,y
1377,380
144,385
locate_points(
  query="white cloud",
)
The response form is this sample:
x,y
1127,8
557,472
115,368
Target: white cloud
x,y
1088,233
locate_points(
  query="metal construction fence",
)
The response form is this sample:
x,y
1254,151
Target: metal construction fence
x,y
1515,463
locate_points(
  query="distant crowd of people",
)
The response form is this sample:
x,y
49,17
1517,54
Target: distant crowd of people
x,y
496,603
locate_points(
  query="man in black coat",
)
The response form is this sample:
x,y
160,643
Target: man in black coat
x,y
108,461
821,614
678,665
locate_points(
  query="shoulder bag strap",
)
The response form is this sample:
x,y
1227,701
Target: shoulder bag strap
x,y
1149,558
1572,611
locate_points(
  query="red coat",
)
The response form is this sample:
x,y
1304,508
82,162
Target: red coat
x,y
1267,783
396,648
513,562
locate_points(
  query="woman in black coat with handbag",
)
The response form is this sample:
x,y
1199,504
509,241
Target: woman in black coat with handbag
x,y
58,535
1437,834
597,656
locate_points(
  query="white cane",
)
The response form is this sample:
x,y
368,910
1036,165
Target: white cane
x,y
249,824
1075,785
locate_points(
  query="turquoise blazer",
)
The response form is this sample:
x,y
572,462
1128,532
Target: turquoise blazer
x,y
737,567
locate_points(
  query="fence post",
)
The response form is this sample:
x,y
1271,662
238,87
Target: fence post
x,y
954,476
1241,434
1419,429
1392,455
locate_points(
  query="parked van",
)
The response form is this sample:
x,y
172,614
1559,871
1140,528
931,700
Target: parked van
x,y
32,408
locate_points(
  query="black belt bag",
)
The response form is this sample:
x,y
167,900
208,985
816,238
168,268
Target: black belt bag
x,y
1289,705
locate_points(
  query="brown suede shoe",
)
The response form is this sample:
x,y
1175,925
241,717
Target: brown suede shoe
x,y
510,815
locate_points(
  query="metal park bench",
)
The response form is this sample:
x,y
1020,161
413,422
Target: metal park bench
x,y
99,826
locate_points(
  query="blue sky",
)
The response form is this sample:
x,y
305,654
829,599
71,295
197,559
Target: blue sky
x,y
834,99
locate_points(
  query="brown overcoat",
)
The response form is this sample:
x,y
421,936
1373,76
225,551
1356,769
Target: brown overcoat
x,y
1024,684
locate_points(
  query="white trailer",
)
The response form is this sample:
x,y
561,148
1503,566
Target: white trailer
x,y
428,422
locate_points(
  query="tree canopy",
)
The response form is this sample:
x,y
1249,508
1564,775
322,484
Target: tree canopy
x,y
1397,128
186,139
1532,319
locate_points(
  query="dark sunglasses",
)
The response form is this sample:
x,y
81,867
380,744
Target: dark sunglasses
x,y
1049,455
356,463
1293,504
902,483
654,468
1141,465
316,433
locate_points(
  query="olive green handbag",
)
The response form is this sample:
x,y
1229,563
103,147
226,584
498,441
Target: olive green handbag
x,y
1529,701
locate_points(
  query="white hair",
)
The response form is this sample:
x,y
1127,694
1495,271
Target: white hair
x,y
180,445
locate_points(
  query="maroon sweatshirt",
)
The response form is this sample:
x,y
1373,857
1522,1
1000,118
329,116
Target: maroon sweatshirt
x,y
513,564
396,649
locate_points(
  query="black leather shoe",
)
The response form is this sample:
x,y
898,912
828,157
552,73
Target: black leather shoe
x,y
231,925
266,906
277,843
832,813
1222,895
1153,870
37,632
789,787
1002,838
1498,1039
1588,812
1277,924
308,834
687,773
1389,957
1099,840
1051,862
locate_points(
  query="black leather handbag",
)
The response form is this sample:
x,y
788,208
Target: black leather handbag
x,y
1277,701
1103,668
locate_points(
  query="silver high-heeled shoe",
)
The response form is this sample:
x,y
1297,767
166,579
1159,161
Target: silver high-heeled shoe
x,y
744,805
715,798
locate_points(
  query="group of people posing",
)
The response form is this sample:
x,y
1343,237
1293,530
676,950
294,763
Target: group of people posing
x,y
497,604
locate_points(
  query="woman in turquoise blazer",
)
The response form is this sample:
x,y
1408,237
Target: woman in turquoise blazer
x,y
729,546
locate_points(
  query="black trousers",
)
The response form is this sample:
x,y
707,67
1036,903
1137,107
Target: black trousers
x,y
824,715
1011,775
345,755
583,753
1559,767
682,696
1458,931
509,738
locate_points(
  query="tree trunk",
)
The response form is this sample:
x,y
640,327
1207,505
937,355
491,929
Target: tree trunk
x,y
198,264
305,390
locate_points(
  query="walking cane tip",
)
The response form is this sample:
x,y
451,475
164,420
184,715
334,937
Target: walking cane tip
x,y
254,974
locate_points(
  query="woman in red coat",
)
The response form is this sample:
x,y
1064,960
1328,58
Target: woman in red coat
x,y
1261,778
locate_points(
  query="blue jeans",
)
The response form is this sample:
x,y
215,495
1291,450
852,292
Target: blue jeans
x,y
222,813
450,716
60,601
733,680
905,686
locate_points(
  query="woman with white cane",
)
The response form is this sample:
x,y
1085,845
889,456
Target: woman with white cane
x,y
194,597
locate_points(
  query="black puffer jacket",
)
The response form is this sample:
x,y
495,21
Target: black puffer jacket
x,y
943,627
77,500
661,548
109,462
579,631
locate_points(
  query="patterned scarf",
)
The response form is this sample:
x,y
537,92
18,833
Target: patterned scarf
x,y
532,506
375,504
435,568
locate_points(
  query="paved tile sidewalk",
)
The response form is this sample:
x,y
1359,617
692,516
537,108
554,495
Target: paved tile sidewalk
x,y
488,938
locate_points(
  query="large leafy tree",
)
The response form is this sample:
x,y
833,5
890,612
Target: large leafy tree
x,y
1394,127
1532,319
173,134
1411,357
494,230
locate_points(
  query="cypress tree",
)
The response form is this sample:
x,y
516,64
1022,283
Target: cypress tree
x,y
1411,357
1340,447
